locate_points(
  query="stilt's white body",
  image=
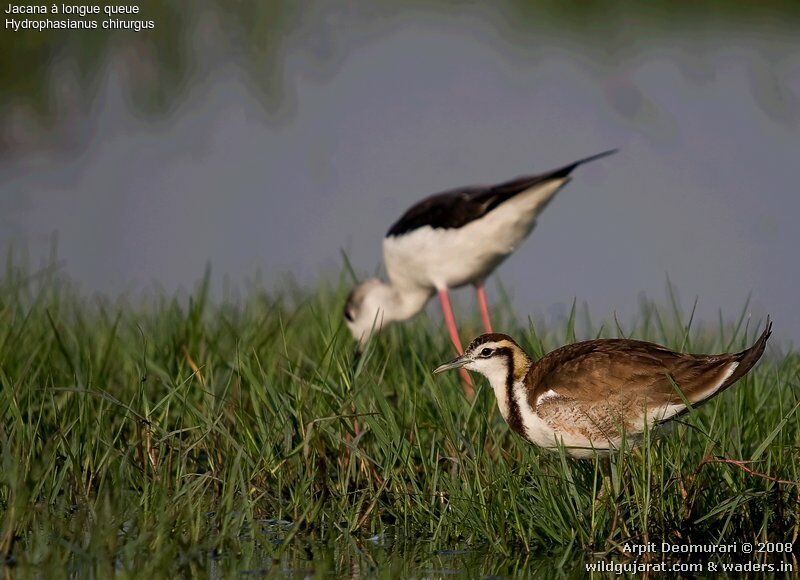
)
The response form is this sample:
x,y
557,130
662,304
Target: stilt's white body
x,y
448,258
448,240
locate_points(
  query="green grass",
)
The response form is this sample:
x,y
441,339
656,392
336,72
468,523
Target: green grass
x,y
184,435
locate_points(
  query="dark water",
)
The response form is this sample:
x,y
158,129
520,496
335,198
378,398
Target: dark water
x,y
269,139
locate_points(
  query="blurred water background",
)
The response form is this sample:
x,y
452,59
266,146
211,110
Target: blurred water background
x,y
266,136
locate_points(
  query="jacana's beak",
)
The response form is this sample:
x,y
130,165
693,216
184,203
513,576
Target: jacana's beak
x,y
456,363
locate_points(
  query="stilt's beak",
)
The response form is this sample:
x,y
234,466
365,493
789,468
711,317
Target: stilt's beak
x,y
357,352
456,363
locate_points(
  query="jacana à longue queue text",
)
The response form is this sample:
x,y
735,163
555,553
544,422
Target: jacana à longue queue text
x,y
449,240
588,395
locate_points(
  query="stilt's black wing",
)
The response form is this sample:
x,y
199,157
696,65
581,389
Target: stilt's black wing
x,y
458,207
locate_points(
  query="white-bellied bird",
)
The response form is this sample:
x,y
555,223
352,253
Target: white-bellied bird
x,y
449,240
588,395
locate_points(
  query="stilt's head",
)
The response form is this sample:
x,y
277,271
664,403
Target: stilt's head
x,y
368,306
495,356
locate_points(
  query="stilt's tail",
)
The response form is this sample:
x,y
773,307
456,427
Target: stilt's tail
x,y
499,193
567,169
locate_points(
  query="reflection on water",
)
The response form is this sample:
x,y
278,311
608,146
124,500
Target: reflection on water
x,y
270,135
388,555
50,75
260,553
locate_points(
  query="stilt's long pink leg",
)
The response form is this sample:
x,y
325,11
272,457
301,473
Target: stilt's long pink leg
x,y
450,320
487,324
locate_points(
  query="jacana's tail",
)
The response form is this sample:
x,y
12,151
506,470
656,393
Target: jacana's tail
x,y
749,357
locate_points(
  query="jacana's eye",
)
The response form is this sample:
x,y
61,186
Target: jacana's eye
x,y
486,352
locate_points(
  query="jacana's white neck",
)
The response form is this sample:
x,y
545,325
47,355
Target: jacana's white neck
x,y
506,379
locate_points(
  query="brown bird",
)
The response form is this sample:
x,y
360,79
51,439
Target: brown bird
x,y
585,395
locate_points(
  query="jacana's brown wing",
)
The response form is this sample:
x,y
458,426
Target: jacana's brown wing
x,y
603,385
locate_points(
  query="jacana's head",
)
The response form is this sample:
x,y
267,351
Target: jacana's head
x,y
365,310
495,356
